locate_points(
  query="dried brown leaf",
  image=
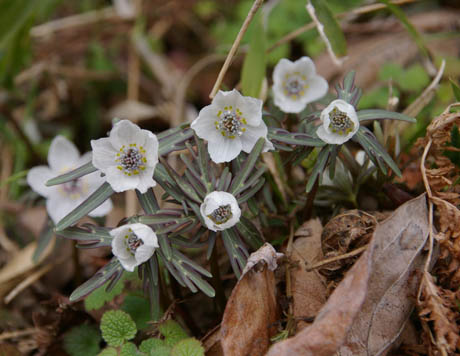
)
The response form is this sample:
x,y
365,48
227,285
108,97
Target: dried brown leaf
x,y
398,243
367,317
252,309
308,288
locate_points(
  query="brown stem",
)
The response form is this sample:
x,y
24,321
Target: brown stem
x,y
216,281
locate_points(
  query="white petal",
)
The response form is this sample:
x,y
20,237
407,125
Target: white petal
x,y
119,247
204,124
143,253
251,109
103,209
129,264
213,201
37,177
145,180
305,66
146,234
85,158
282,67
151,148
332,138
62,154
119,181
93,180
360,157
286,104
225,149
104,154
125,132
58,206
226,98
317,88
251,135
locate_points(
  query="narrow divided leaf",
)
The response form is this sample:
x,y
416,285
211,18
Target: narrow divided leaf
x,y
75,174
101,194
377,114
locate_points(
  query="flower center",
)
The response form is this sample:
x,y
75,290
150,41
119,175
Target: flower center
x,y
294,85
340,122
73,189
221,215
131,160
230,122
132,242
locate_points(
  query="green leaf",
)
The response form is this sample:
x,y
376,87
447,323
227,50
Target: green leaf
x,y
161,351
332,28
247,167
75,174
43,240
82,340
138,308
94,236
253,72
148,201
108,351
109,271
129,349
117,327
455,89
174,139
150,344
172,332
188,347
377,114
101,194
319,167
100,296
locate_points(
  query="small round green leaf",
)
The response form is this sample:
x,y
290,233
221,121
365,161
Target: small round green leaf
x,y
188,347
82,340
129,349
117,327
172,332
161,351
150,344
108,351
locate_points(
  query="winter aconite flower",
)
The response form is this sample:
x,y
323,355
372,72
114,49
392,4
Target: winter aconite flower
x,y
133,244
231,123
295,84
63,157
339,123
220,211
127,157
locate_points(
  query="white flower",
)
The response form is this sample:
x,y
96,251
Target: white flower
x,y
63,157
295,84
127,157
230,124
360,157
220,211
133,244
339,123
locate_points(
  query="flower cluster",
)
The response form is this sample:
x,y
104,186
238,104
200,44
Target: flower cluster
x,y
209,200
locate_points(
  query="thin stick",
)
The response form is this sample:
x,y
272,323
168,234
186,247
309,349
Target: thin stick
x,y
17,333
235,46
359,11
337,258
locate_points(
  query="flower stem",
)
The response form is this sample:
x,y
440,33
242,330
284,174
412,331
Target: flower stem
x,y
308,210
217,283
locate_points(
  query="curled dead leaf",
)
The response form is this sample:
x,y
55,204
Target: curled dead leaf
x,y
251,310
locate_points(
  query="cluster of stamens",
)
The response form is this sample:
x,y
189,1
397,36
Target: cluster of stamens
x,y
131,159
294,85
132,242
221,215
340,122
230,122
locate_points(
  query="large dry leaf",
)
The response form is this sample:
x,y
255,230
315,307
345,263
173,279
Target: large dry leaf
x,y
308,287
251,311
398,243
369,308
